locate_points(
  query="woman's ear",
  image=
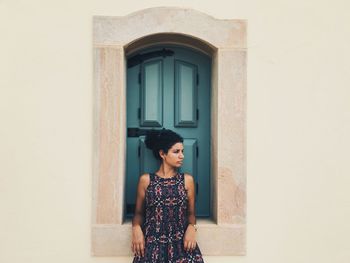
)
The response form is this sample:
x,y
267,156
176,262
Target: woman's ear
x,y
161,154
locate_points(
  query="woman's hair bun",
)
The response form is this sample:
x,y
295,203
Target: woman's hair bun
x,y
152,137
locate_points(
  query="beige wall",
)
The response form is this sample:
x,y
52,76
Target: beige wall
x,y
298,201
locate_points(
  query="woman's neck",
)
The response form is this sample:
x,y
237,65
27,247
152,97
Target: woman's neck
x,y
166,171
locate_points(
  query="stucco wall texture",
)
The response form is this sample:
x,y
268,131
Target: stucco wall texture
x,y
298,121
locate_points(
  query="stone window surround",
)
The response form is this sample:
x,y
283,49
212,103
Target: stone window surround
x,y
225,42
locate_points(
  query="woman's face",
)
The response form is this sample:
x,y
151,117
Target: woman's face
x,y
175,155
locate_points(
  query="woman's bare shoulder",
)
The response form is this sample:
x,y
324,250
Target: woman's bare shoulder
x,y
189,181
144,180
188,176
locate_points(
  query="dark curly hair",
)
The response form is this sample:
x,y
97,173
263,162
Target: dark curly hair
x,y
163,139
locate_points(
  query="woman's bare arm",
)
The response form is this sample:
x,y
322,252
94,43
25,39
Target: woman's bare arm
x,y
138,241
190,235
191,213
140,198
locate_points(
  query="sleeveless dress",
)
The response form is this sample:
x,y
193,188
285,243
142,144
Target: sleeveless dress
x,y
166,222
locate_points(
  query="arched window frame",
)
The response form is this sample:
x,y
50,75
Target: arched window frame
x,y
225,41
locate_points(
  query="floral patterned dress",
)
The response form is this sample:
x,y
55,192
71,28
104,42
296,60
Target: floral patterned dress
x,y
166,222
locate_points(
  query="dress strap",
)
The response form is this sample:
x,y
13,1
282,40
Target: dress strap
x,y
151,177
182,178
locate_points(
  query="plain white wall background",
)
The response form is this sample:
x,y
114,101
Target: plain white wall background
x,y
298,201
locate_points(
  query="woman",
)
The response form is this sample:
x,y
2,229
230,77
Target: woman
x,y
166,199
